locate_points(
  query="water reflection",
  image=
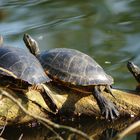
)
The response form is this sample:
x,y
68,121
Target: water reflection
x,y
107,30
97,129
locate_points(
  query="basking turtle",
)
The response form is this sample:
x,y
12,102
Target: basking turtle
x,y
19,68
135,70
78,71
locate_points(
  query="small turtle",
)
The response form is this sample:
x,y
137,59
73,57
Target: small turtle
x,y
135,70
78,71
19,68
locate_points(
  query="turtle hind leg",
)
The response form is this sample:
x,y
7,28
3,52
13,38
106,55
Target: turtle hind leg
x,y
108,109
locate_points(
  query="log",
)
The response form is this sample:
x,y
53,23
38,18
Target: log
x,y
12,114
69,102
77,104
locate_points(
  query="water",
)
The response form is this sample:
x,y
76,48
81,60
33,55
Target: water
x,y
107,30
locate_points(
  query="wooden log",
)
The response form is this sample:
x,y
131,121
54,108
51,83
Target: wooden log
x,y
77,104
69,102
12,114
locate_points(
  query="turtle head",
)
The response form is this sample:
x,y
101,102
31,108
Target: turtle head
x,y
1,40
31,44
135,70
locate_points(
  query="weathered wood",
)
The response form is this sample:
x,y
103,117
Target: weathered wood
x,y
69,102
12,114
73,102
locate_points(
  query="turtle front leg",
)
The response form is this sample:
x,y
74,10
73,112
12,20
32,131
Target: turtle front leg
x,y
108,109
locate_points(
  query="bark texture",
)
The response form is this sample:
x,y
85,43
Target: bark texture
x,y
70,103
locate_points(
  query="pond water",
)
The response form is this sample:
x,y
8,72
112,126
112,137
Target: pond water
x,y
107,30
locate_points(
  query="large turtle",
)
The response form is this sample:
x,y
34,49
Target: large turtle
x,y
135,70
76,70
20,69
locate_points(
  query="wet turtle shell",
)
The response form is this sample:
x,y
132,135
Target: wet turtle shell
x,y
21,64
75,67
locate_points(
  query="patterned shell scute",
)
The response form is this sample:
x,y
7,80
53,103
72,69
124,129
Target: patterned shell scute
x,y
74,67
22,64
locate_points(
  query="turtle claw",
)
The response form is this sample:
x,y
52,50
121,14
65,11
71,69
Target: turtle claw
x,y
109,110
106,115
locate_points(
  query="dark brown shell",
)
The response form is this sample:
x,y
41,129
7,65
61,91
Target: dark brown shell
x,y
22,65
74,67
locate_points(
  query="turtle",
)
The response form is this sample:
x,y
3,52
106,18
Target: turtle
x,y
135,70
77,71
19,69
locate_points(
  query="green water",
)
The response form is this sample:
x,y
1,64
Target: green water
x,y
107,30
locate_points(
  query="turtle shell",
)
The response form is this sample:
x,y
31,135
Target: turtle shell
x,y
74,67
21,64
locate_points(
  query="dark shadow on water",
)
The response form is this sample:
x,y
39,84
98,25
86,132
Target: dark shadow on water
x,y
108,134
97,129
